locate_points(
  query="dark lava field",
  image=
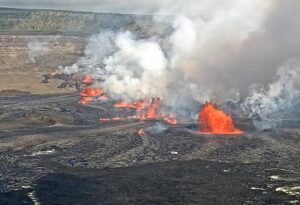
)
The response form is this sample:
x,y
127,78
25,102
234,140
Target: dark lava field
x,y
55,151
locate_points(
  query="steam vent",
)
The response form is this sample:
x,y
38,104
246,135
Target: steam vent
x,y
159,102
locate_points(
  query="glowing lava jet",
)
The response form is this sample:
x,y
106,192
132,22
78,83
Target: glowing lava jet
x,y
153,108
214,121
88,94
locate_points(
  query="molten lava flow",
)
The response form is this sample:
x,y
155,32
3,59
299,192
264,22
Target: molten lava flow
x,y
141,132
153,108
150,114
139,105
87,79
91,92
121,104
170,120
215,121
86,100
88,94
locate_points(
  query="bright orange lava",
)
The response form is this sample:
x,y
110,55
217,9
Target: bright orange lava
x,y
145,110
153,108
139,105
87,79
86,100
88,94
141,132
91,92
215,121
170,120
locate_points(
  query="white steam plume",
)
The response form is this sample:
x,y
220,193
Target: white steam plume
x,y
137,69
216,47
281,99
37,49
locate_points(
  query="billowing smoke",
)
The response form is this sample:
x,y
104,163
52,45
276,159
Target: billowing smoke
x,y
217,51
98,47
280,99
37,49
137,70
158,128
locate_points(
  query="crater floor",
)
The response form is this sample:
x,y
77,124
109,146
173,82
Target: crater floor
x,y
55,150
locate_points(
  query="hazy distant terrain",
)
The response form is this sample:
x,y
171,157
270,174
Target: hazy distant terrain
x,y
50,21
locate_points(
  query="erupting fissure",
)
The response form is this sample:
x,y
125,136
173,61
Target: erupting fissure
x,y
212,120
88,94
151,113
139,105
153,109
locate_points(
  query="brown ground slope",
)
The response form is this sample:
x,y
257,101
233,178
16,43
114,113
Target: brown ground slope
x,y
18,72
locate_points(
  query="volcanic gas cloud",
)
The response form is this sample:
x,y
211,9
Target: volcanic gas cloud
x,y
232,50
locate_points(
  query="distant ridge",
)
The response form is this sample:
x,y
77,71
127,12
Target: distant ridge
x,y
29,21
69,11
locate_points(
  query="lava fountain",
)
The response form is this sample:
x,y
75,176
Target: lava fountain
x,y
88,94
152,110
214,121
